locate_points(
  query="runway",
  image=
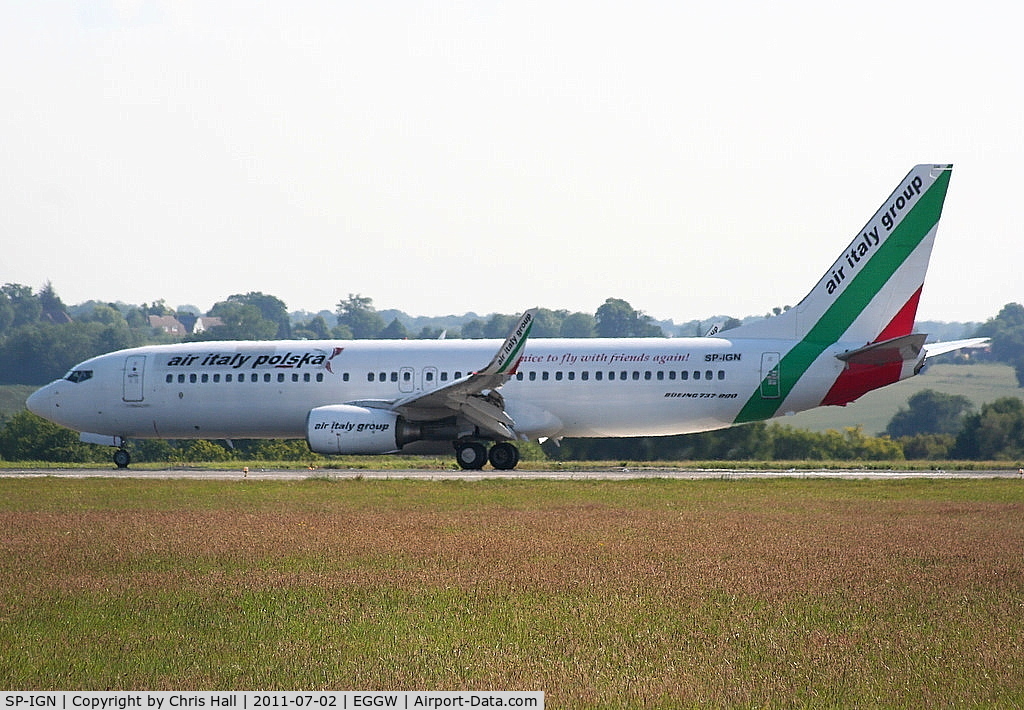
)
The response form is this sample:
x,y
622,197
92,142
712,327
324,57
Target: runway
x,y
612,474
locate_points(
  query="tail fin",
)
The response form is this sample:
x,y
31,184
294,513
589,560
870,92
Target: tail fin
x,y
871,292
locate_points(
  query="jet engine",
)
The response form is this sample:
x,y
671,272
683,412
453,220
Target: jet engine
x,y
350,429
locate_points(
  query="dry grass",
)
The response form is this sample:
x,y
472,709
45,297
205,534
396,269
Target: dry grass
x,y
647,593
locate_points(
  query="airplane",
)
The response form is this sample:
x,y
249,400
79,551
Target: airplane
x,y
851,334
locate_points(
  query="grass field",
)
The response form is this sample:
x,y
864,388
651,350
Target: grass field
x,y
649,593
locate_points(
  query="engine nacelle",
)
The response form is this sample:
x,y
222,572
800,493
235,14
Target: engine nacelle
x,y
347,429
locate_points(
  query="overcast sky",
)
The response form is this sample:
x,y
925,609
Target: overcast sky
x,y
695,159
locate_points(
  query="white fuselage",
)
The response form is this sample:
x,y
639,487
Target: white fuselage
x,y
563,387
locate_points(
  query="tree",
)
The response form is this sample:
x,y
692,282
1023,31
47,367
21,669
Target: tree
x,y
547,323
26,306
498,326
473,329
617,319
271,308
54,309
578,325
41,352
313,329
6,312
239,322
929,412
1007,333
394,331
994,433
359,315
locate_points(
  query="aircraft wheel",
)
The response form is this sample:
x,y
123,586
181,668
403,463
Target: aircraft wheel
x,y
504,456
471,455
122,458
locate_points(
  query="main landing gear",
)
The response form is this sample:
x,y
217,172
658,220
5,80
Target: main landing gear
x,y
472,455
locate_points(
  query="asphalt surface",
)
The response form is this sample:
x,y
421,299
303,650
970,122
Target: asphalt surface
x,y
454,475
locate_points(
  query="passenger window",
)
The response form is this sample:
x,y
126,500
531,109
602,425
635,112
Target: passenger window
x,y
254,377
192,378
708,375
519,376
170,379
394,377
598,375
696,374
280,377
444,377
429,375
369,377
227,378
623,375
266,377
721,374
319,377
671,374
585,375
647,375
216,377
205,378
295,377
684,375
407,376
572,375
457,374
305,376
661,374
533,376
544,375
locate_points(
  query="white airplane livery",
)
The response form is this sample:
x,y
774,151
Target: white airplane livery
x,y
851,334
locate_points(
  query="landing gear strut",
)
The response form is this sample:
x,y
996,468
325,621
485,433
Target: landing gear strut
x,y
122,458
472,455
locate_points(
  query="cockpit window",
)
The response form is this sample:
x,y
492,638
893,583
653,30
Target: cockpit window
x,y
78,375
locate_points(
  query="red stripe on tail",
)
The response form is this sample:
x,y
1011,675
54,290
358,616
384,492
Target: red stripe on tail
x,y
856,380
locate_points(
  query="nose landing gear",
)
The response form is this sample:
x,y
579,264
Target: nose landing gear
x,y
122,458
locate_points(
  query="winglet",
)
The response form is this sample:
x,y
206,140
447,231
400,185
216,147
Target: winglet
x,y
507,358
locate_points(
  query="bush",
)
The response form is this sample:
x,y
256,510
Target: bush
x,y
27,437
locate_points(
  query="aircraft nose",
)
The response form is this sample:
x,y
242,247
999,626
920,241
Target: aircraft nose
x,y
42,402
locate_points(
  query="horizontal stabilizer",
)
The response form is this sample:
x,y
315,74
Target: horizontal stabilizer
x,y
933,349
902,349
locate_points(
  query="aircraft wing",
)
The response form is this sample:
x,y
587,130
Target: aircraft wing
x,y
475,396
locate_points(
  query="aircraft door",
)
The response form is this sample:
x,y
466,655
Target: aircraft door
x,y
134,367
771,388
429,378
406,379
